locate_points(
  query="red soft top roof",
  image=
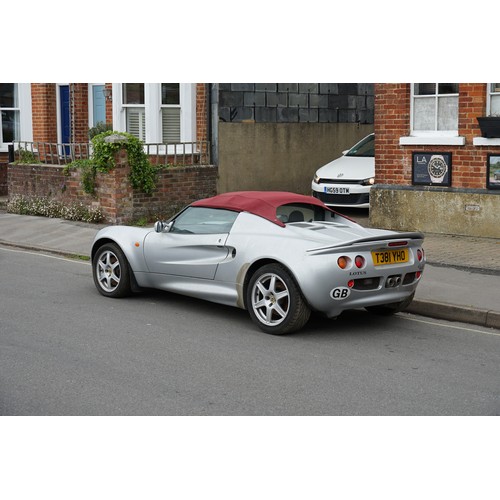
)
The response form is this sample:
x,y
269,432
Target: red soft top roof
x,y
261,203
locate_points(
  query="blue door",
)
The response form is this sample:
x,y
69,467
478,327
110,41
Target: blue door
x,y
65,118
99,107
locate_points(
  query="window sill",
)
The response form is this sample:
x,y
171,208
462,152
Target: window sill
x,y
482,141
432,141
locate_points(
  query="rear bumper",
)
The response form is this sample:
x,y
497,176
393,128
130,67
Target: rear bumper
x,y
331,290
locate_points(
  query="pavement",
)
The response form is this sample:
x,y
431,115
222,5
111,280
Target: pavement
x,y
461,281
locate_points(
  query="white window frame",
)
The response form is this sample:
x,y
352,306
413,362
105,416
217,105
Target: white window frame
x,y
126,107
489,95
431,137
153,107
25,117
170,106
484,141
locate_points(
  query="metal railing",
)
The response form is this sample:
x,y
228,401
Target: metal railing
x,y
50,152
176,154
181,153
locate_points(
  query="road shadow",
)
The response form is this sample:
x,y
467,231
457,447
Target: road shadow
x,y
351,323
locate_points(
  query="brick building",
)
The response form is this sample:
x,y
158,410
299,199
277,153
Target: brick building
x,y
263,135
434,169
64,113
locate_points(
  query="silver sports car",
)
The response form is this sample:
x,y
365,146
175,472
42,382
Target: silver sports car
x,y
279,255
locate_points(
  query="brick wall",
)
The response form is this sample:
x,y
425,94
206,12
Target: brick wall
x,y
176,187
4,159
392,121
44,109
79,112
109,104
201,112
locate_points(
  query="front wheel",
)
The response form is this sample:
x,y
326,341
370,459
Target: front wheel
x,y
274,301
388,309
111,271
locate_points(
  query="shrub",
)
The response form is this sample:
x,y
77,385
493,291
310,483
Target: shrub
x,y
143,174
51,208
26,157
99,128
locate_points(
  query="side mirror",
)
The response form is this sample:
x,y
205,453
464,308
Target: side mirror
x,y
162,227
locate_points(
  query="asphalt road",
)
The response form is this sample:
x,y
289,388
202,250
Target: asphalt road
x,y
65,350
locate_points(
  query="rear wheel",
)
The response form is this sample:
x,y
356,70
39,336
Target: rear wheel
x,y
388,309
111,271
275,302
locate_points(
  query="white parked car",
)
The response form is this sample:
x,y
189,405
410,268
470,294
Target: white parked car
x,y
346,181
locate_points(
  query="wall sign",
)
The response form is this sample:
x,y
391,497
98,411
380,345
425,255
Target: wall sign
x,y
431,169
493,172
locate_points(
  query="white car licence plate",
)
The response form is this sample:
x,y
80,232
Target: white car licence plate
x,y
337,190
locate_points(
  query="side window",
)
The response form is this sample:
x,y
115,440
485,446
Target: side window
x,y
134,104
170,112
435,107
494,99
199,220
9,107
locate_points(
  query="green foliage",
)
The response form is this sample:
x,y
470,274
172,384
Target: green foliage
x,y
87,173
26,156
46,207
99,128
143,174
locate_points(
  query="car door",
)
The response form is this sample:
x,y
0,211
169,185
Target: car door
x,y
193,245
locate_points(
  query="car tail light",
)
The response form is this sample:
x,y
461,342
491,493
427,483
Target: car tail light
x,y
418,274
397,243
420,255
350,283
359,261
343,262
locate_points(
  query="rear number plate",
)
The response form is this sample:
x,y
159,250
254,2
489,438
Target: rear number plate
x,y
384,257
337,190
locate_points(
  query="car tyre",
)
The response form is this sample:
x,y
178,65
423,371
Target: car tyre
x,y
388,309
275,302
111,271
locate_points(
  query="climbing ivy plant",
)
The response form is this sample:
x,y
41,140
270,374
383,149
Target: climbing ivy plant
x,y
143,174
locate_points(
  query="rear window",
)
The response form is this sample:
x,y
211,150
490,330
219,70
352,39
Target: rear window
x,y
366,147
300,212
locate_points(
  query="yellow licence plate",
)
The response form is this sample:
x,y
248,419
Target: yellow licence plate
x,y
384,257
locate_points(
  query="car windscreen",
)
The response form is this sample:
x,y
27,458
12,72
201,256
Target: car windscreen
x,y
366,147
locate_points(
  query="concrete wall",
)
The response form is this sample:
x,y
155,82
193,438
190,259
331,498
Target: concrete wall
x,y
280,156
435,210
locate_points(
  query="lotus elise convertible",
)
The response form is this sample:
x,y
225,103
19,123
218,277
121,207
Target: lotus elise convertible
x,y
278,255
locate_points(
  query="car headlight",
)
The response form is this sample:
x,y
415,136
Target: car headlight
x,y
316,178
368,182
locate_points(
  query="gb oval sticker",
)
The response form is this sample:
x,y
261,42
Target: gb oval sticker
x,y
340,293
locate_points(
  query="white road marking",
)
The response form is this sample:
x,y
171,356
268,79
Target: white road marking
x,y
434,323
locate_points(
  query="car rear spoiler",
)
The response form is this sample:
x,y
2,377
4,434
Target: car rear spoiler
x,y
367,243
